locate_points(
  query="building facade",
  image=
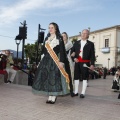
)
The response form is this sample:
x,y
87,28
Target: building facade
x,y
107,46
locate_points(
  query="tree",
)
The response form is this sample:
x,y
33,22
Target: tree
x,y
74,40
31,52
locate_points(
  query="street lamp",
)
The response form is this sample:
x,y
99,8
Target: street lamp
x,y
108,63
40,40
17,43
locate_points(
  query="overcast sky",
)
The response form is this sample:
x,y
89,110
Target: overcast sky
x,y
71,15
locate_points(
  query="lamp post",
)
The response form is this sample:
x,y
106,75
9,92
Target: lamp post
x,y
17,43
40,40
108,63
96,58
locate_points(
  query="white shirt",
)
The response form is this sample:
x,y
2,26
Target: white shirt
x,y
83,42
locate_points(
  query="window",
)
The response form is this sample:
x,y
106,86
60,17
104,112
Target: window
x,y
106,42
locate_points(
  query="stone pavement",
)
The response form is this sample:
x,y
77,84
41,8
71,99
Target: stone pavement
x,y
17,102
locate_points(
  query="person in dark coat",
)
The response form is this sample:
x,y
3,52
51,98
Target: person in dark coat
x,y
31,74
105,72
84,54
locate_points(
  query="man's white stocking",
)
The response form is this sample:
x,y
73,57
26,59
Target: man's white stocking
x,y
76,86
84,86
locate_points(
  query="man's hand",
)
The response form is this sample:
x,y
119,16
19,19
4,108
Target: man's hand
x,y
76,60
92,67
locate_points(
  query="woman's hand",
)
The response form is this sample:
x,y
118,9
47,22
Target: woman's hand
x,y
61,65
73,54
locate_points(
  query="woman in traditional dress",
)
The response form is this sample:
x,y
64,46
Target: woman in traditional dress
x,y
51,78
68,46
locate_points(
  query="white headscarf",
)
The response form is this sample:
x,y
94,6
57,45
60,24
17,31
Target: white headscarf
x,y
68,45
116,77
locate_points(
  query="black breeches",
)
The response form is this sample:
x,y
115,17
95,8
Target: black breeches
x,y
81,71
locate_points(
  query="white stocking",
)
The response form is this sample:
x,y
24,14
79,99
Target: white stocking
x,y
50,98
53,98
76,86
84,86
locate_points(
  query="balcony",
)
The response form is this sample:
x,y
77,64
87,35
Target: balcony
x,y
105,50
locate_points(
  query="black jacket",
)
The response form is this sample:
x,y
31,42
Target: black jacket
x,y
59,49
88,51
3,61
61,52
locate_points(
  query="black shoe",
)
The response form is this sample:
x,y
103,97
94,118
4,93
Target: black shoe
x,y
82,96
73,95
48,101
8,81
53,102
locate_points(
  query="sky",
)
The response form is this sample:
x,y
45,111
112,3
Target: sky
x,y
72,16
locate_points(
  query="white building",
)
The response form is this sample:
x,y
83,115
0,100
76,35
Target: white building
x,y
107,46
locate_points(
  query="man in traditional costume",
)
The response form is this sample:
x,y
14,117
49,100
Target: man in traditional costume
x,y
84,54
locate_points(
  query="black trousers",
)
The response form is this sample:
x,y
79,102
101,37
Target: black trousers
x,y
81,72
104,76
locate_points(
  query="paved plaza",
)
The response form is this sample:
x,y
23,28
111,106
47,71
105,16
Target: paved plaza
x,y
17,102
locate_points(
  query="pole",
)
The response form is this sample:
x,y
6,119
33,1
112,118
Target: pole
x,y
108,64
38,41
23,51
24,25
37,44
17,53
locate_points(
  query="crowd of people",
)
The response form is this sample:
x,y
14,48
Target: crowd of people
x,y
9,68
6,66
